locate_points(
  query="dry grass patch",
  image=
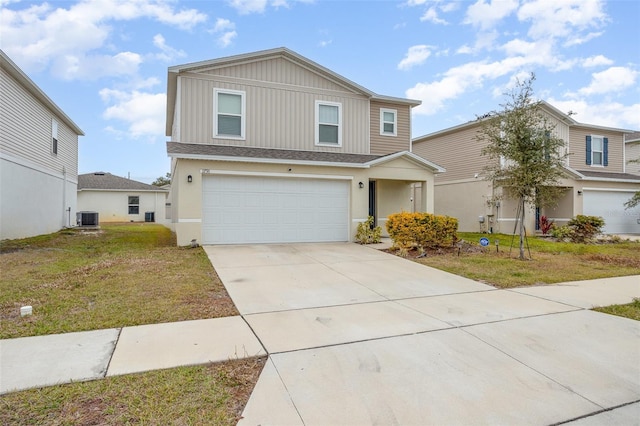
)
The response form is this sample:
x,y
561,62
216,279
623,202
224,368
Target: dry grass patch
x,y
551,261
213,394
122,275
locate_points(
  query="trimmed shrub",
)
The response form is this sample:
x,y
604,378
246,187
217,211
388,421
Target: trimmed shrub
x,y
423,230
367,233
585,228
561,233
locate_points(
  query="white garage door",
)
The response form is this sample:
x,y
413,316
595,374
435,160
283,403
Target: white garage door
x,y
250,209
610,205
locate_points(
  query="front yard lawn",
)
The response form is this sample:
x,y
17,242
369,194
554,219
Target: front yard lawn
x,y
213,394
551,261
122,275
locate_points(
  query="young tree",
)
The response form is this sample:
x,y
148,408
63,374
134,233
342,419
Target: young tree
x,y
162,180
635,199
525,158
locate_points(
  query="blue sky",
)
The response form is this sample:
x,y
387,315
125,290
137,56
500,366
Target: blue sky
x,y
104,62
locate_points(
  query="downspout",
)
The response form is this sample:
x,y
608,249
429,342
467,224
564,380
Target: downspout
x,y
64,195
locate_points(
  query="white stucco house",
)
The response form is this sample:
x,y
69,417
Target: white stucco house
x,y
38,158
118,199
271,147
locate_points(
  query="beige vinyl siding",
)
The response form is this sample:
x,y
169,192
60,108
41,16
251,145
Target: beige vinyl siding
x,y
458,152
388,144
278,70
25,130
577,159
277,115
633,153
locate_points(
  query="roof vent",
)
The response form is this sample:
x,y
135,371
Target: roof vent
x,y
99,174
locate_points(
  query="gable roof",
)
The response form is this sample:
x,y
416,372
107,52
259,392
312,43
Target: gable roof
x,y
107,182
13,70
280,52
550,109
285,156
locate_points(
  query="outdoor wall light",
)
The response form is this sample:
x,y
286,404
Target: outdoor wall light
x,y
579,192
189,178
361,185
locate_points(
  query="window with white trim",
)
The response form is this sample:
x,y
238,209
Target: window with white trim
x,y
328,123
388,122
229,110
134,204
597,150
54,136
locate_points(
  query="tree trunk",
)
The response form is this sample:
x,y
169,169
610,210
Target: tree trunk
x,y
522,230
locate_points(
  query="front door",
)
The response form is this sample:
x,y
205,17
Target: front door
x,y
372,202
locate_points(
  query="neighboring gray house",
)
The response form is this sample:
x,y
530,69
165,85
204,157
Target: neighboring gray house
x,y
632,152
118,199
38,158
598,180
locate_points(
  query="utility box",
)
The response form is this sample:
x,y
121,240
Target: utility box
x,y
150,216
87,219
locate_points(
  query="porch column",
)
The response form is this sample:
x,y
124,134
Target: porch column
x,y
426,196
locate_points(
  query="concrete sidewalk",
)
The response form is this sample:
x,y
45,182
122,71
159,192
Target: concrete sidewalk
x,y
39,361
357,336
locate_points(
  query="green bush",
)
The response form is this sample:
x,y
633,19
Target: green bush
x,y
367,233
561,233
585,228
422,230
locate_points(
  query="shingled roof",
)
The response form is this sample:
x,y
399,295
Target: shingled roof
x,y
205,150
609,175
107,181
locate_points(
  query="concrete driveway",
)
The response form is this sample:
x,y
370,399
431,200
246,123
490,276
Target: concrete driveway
x,y
358,336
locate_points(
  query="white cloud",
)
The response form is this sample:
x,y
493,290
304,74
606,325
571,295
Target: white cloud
x,y
610,114
564,19
168,52
486,15
325,43
614,79
144,113
596,61
416,55
226,30
39,35
576,40
431,15
93,67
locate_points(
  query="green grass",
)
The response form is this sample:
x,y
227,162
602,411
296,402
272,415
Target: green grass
x,y
213,394
551,262
629,310
123,275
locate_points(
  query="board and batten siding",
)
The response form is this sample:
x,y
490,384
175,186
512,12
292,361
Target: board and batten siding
x,y
277,115
382,144
458,152
25,131
578,154
278,70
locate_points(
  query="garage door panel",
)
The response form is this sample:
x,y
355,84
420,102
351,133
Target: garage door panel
x,y
610,206
248,209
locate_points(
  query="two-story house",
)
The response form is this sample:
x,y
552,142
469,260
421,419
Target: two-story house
x,y
271,147
596,181
38,158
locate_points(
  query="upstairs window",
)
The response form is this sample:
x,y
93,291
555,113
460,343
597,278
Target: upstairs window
x,y
597,150
388,122
134,204
328,123
229,120
54,137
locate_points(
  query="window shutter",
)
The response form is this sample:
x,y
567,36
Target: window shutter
x,y
588,150
605,151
